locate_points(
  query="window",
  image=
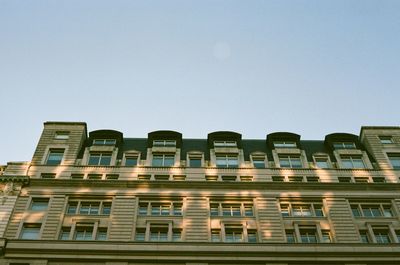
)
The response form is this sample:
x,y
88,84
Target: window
x,y
77,176
382,236
39,204
295,178
308,235
344,145
161,177
386,139
48,175
227,161
290,161
84,232
246,178
278,178
228,178
30,231
290,236
101,234
321,161
344,179
379,179
225,144
349,161
159,232
163,160
179,177
194,161
211,178
112,176
258,161
89,207
94,176
294,209
361,179
394,160
364,236
371,210
144,177
312,178
160,208
231,209
285,144
104,142
65,232
234,233
55,157
131,161
165,143
62,135
99,159
215,235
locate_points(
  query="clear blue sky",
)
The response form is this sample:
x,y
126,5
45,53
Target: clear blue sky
x,y
255,67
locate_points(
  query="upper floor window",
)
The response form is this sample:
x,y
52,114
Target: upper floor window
x,y
372,210
380,235
104,142
160,208
55,157
39,204
231,209
344,145
394,159
131,160
86,231
302,210
163,160
89,207
352,161
99,159
195,161
321,161
258,161
308,234
285,144
386,139
61,135
30,231
291,161
233,233
159,232
225,144
165,143
227,161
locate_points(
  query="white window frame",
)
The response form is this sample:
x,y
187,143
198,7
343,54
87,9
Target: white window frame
x,y
285,144
164,143
224,144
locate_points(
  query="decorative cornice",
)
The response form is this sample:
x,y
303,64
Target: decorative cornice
x,y
15,178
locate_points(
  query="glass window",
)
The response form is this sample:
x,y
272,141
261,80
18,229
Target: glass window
x,y
89,208
106,208
248,210
214,209
112,176
99,159
382,236
163,160
318,210
140,234
227,161
30,231
39,204
131,160
143,209
258,161
326,237
55,157
355,210
77,176
371,211
176,235
64,234
344,145
72,207
278,178
308,235
159,233
215,235
285,210
166,143
62,135
321,161
301,210
312,178
194,161
364,236
83,232
48,175
231,210
94,176
285,144
352,162
394,160
290,237
177,209
295,178
101,234
386,139
290,161
225,144
378,179
251,236
104,142
233,234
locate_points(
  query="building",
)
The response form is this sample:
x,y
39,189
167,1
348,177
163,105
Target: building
x,y
102,198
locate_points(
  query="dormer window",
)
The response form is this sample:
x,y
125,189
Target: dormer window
x,y
225,144
104,142
164,143
344,145
285,144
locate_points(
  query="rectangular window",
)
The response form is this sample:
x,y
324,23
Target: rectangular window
x,y
228,178
163,160
308,235
39,204
30,231
321,162
77,176
104,142
215,235
194,161
61,135
379,179
159,232
295,178
382,236
65,232
302,209
99,159
225,144
84,231
55,157
131,161
364,236
394,159
48,175
349,161
290,236
344,145
252,236
164,143
326,237
231,209
312,178
144,177
386,139
211,178
361,179
140,234
160,208
94,176
89,207
246,178
285,144
176,235
227,161
233,234
112,176
161,177
344,179
290,161
258,161
372,210
278,178
101,234
179,177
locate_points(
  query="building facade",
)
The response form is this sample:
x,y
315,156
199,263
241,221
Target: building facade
x,y
102,198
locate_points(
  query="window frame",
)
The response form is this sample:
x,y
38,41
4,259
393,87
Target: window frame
x,y
226,161
104,142
164,158
74,207
30,231
289,158
103,156
231,209
385,210
50,161
298,209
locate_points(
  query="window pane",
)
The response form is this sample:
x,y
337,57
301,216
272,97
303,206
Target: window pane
x,y
157,161
131,161
318,210
252,237
290,237
30,231
101,234
195,162
94,159
64,235
169,161
355,211
394,160
39,204
55,157
105,160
